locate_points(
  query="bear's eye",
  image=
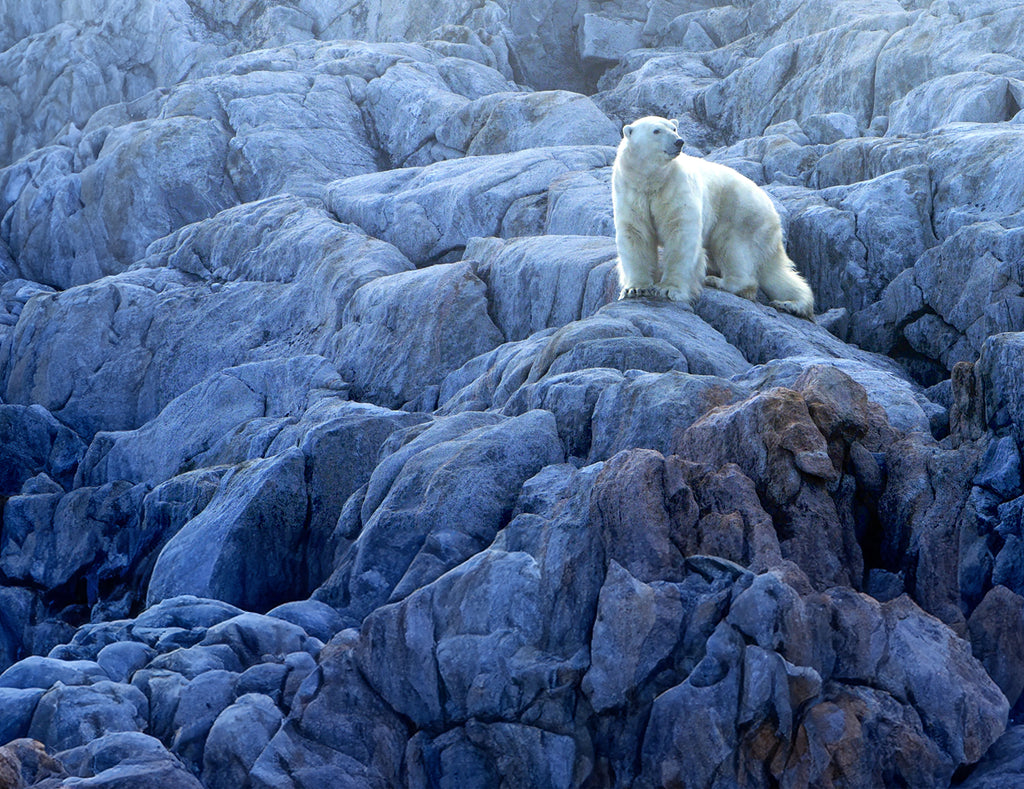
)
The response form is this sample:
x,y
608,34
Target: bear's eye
x,y
657,131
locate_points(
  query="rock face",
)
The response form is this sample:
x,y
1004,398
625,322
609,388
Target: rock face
x,y
329,459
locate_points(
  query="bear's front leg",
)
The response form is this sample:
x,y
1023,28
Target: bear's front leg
x,y
638,257
683,258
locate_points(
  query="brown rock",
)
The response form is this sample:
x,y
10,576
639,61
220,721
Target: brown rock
x,y
774,441
25,762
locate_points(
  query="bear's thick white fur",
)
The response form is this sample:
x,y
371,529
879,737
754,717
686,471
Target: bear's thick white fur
x,y
715,226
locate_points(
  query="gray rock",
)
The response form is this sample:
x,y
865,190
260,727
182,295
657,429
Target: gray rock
x,y
18,706
381,347
71,715
708,703
186,433
488,754
44,672
507,122
827,128
163,690
96,529
17,614
653,410
201,701
999,368
254,637
581,204
954,98
440,207
429,514
339,732
995,635
544,282
1001,765
965,738
571,397
341,442
490,379
299,666
192,661
122,659
33,442
139,315
606,40
236,568
922,481
473,655
236,739
127,760
626,659
266,679
999,470
317,619
185,611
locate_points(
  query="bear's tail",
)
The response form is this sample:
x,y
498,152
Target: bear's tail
x,y
786,289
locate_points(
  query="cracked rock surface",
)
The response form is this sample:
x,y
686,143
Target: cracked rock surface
x,y
328,457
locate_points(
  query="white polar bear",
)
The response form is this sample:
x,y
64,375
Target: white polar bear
x,y
708,219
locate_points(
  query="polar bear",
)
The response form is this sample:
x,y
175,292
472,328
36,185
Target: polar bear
x,y
715,226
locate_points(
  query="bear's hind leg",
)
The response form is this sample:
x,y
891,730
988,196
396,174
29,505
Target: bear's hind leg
x,y
737,269
742,288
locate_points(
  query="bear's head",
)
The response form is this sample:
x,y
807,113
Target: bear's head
x,y
653,137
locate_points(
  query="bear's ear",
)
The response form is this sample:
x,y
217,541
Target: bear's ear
x,y
627,130
675,123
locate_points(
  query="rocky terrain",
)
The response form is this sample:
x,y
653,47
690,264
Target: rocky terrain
x,y
328,457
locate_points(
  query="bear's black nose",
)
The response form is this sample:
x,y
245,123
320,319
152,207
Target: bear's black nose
x,y
678,144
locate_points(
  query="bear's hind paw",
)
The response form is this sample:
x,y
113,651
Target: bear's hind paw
x,y
794,308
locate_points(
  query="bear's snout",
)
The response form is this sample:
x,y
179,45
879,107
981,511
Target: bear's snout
x,y
678,144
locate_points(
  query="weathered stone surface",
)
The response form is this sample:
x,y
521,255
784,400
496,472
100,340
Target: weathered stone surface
x,y
652,410
339,731
127,759
236,739
25,761
18,704
1001,765
298,299
545,281
382,347
247,547
33,442
71,715
188,430
995,633
435,503
440,207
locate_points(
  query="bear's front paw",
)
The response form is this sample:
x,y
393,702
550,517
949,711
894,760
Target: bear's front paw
x,y
712,281
673,292
639,293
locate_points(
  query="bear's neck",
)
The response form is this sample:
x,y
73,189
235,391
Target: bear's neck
x,y
642,174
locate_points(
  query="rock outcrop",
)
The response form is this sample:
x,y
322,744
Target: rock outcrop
x,y
329,458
